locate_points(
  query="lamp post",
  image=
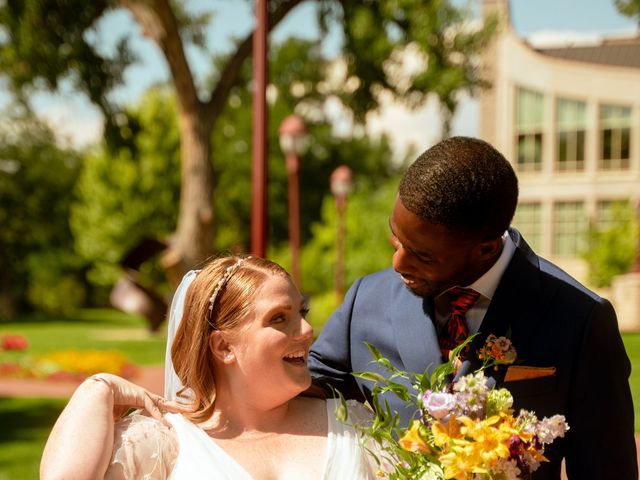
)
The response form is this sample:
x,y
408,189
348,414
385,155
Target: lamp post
x,y
259,209
294,141
341,184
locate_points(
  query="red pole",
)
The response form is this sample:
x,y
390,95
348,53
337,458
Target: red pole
x,y
341,206
340,182
259,207
293,166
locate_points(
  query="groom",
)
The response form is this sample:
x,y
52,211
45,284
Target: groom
x,y
450,227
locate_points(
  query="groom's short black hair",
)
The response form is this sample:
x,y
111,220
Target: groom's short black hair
x,y
464,184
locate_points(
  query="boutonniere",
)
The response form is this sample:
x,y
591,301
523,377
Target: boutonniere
x,y
500,353
497,351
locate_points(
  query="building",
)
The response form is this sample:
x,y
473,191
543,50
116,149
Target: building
x,y
568,118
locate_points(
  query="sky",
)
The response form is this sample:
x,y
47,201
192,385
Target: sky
x,y
541,21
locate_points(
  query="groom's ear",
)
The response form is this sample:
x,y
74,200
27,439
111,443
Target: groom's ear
x,y
221,348
489,249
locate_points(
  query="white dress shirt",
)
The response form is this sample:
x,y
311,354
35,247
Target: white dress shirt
x,y
485,285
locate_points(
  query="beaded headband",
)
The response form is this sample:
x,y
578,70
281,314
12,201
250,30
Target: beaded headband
x,y
221,283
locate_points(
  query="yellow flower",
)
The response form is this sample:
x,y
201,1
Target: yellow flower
x,y
444,433
412,441
479,445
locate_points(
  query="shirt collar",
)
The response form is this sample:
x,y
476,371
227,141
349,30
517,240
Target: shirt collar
x,y
487,284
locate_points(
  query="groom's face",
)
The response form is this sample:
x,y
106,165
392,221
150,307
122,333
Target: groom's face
x,y
430,258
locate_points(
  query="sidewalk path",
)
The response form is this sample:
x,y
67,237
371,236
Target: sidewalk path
x,y
150,377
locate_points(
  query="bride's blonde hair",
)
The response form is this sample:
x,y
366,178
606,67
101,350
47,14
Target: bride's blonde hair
x,y
220,298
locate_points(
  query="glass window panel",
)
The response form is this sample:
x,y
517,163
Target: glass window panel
x,y
570,125
569,228
605,212
615,137
625,140
529,123
580,146
528,219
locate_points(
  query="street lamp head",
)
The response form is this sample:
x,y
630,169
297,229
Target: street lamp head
x,y
341,181
294,138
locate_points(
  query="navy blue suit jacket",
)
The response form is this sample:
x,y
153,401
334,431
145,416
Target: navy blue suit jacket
x,y
552,320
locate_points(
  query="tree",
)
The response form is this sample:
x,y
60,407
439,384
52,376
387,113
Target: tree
x,y
612,249
132,194
42,46
39,267
630,8
367,245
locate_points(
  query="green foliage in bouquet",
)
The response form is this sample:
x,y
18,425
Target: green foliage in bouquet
x,y
462,430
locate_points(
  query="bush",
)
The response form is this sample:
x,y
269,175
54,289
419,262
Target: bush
x,y
612,249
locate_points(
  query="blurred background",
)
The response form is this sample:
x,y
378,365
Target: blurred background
x,y
126,158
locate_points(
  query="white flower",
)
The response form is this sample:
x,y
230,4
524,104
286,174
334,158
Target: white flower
x,y
439,405
531,461
508,468
474,383
550,428
503,343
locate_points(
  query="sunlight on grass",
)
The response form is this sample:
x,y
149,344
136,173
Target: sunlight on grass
x,y
91,330
26,423
632,344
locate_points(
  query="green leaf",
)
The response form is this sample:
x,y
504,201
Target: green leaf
x,y
372,376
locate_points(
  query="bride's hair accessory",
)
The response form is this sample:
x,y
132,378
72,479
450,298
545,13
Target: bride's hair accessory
x,y
223,281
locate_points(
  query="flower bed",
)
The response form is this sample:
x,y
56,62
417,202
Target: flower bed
x,y
65,365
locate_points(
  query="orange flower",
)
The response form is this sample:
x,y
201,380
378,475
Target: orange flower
x,y
412,440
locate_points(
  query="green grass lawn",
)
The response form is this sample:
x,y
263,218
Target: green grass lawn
x,y
91,330
632,344
25,422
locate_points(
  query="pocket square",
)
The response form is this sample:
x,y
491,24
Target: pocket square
x,y
520,372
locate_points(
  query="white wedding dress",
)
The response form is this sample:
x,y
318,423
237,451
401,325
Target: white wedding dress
x,y
146,449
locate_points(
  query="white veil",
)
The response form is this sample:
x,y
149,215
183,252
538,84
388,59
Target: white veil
x,y
172,383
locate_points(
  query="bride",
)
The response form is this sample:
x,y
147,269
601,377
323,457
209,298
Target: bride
x,y
234,373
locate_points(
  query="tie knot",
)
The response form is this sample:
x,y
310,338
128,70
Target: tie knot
x,y
461,299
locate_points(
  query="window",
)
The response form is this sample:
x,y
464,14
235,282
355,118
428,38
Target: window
x,y
615,137
528,220
571,119
610,212
569,228
529,121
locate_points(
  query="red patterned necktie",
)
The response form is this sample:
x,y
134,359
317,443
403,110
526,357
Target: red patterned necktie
x,y
455,331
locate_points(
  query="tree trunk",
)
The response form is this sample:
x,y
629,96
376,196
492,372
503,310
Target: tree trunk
x,y
193,241
7,300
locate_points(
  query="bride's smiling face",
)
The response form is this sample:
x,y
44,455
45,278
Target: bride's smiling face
x,y
272,347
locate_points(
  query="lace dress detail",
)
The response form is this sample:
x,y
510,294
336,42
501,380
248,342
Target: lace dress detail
x,y
144,448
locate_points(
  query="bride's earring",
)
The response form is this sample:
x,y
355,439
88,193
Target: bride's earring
x,y
220,348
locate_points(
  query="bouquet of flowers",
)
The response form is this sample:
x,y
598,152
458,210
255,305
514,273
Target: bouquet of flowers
x,y
463,430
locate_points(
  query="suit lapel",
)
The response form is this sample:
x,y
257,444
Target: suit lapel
x,y
415,333
517,302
